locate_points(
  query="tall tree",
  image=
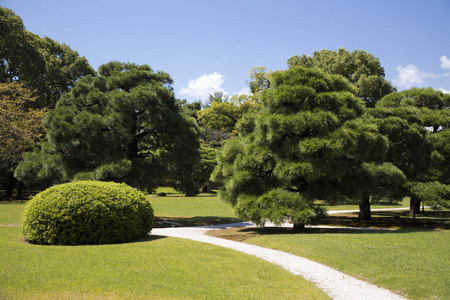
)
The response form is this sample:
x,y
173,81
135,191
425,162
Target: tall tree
x,y
260,80
123,125
308,142
359,67
41,64
430,110
20,128
206,166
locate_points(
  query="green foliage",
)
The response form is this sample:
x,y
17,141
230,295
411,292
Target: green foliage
x,y
432,106
359,67
20,128
206,166
218,97
87,212
432,193
409,148
123,125
42,64
308,142
279,206
223,115
441,156
421,144
260,80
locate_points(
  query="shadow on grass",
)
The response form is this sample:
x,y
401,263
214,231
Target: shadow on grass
x,y
178,195
4,200
241,234
164,222
147,239
381,203
380,223
393,220
27,195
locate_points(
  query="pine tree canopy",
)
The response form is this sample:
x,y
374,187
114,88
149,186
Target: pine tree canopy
x,y
122,125
310,141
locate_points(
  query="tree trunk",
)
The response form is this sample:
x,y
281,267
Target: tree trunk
x,y
208,186
364,209
414,207
20,187
11,184
298,227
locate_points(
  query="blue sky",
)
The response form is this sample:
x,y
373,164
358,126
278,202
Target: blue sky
x,y
209,46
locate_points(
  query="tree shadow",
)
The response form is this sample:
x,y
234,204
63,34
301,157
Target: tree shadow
x,y
388,204
393,220
149,238
165,222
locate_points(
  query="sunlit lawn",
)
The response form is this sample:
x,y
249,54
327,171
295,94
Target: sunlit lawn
x,y
153,268
205,209
415,263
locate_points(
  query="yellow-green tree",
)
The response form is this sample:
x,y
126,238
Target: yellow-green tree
x,y
224,115
20,127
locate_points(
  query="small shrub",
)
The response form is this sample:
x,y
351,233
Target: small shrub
x,y
87,212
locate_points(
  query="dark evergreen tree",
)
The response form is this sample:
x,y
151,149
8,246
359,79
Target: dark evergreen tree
x,y
123,125
421,146
359,67
308,142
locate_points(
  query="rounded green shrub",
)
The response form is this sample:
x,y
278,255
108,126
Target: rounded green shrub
x,y
87,213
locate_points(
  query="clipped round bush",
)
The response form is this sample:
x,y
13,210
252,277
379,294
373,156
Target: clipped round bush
x,y
87,213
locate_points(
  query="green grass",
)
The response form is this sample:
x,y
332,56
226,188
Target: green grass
x,y
192,211
10,212
413,263
153,268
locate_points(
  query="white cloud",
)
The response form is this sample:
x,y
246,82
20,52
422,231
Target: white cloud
x,y
244,91
411,76
408,76
444,91
445,62
201,87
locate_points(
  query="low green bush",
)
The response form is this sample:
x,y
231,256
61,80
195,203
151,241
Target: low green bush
x,y
87,212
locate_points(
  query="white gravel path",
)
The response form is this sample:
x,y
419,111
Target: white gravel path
x,y
334,283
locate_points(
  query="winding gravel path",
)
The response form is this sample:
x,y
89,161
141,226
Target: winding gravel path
x,y
334,283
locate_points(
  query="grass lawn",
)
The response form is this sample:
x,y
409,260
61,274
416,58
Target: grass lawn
x,y
193,211
153,268
412,263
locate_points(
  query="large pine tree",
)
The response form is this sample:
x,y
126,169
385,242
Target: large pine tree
x,y
309,142
123,125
